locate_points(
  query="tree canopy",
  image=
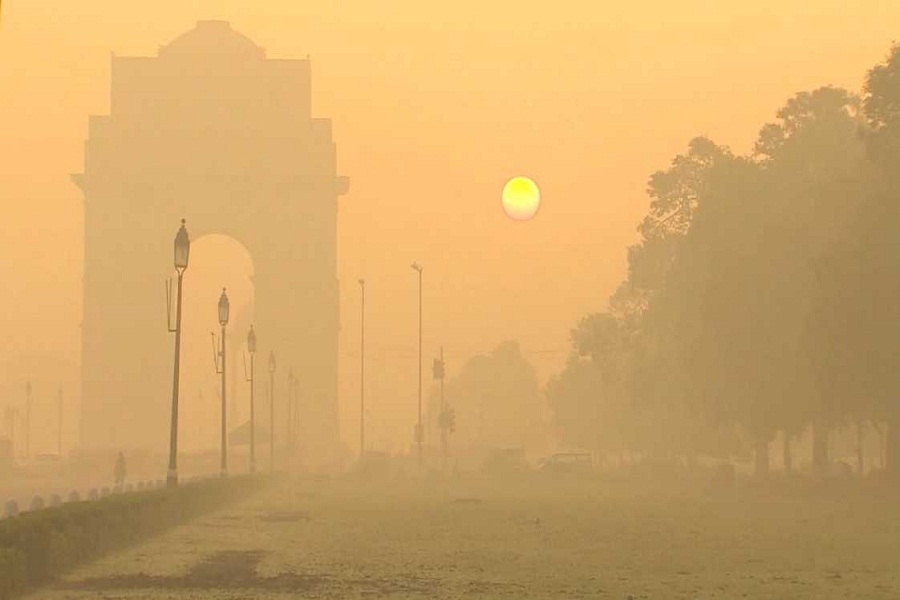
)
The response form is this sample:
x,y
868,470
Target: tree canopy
x,y
763,294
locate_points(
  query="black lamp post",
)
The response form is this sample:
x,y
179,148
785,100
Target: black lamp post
x,y
272,411
182,254
251,348
224,309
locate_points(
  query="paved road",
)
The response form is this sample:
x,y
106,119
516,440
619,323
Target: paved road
x,y
467,540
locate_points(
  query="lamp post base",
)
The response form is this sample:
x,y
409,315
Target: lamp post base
x,y
223,473
172,478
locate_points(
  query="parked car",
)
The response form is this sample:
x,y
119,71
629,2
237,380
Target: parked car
x,y
565,463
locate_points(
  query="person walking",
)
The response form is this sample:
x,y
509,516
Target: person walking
x,y
120,471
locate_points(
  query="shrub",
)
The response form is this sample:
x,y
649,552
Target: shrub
x,y
39,545
14,573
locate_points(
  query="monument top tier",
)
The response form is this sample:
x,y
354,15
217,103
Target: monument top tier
x,y
213,39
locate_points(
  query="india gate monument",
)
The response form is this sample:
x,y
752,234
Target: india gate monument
x,y
214,132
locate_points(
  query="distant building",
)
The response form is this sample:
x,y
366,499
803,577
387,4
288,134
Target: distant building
x,y
212,131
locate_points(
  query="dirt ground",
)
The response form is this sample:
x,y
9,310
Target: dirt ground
x,y
528,538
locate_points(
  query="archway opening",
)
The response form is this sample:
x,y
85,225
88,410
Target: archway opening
x,y
217,261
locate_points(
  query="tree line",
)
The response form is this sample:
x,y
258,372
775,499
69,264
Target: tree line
x,y
763,295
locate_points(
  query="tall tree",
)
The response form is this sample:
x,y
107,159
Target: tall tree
x,y
588,399
497,400
864,271
812,156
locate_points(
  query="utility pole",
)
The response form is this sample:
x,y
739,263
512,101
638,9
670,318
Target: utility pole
x,y
418,268
290,413
251,348
362,371
28,419
272,411
443,429
297,415
59,421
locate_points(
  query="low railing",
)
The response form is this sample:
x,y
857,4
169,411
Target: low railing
x,y
12,507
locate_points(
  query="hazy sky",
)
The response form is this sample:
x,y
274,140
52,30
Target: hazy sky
x,y
434,108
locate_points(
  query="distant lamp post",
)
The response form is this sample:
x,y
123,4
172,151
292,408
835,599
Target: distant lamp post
x,y
297,415
362,371
251,348
418,268
272,411
59,421
182,254
27,419
438,370
219,356
290,411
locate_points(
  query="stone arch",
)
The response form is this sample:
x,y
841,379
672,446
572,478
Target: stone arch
x,y
213,132
217,261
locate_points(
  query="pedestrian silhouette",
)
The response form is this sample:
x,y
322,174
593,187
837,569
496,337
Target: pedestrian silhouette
x,y
119,471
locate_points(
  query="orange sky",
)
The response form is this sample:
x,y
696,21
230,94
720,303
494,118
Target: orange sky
x,y
434,107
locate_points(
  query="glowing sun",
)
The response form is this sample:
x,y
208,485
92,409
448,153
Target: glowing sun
x,y
521,198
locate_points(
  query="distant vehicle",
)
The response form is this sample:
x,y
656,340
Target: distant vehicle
x,y
505,461
568,463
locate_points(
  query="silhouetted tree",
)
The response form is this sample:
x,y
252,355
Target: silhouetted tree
x,y
763,291
870,261
589,400
813,159
497,400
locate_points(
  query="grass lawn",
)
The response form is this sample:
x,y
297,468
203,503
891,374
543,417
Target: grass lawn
x,y
529,538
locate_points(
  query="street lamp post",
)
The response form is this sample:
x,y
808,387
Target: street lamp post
x,y
296,415
362,372
28,419
418,268
271,411
59,421
289,437
251,348
182,254
223,309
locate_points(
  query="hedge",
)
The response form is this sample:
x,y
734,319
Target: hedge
x,y
38,546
